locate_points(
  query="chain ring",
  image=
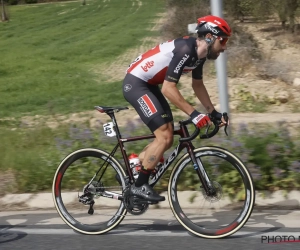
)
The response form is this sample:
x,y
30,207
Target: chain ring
x,y
131,208
214,198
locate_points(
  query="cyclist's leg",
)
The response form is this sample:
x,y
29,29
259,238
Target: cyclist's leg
x,y
153,152
155,112
146,99
164,133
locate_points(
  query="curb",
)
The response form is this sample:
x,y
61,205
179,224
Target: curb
x,y
279,199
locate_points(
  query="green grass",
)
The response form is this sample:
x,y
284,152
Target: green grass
x,y
49,64
27,152
47,52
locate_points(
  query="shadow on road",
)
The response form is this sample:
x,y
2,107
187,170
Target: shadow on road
x,y
254,226
260,223
10,236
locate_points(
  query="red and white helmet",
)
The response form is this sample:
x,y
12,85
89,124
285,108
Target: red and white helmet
x,y
213,24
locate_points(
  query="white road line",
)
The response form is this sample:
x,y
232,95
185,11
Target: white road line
x,y
162,233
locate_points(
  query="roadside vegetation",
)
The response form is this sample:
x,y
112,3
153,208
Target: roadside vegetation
x,y
30,156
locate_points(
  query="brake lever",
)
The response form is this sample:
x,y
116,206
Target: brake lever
x,y
226,120
207,128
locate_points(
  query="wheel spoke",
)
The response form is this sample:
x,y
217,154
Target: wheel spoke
x,y
87,199
212,215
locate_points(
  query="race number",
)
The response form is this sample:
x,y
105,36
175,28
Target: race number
x,y
109,129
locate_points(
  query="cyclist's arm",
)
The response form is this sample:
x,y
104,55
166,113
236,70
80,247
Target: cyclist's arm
x,y
199,87
171,92
182,57
201,93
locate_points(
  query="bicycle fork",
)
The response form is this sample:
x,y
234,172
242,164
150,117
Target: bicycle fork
x,y
201,172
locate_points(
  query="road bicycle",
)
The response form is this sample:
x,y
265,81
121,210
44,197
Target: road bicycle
x,y
210,190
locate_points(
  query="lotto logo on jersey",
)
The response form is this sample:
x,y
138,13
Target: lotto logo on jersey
x,y
182,61
147,66
147,105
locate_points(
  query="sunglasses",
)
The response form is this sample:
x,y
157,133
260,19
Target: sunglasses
x,y
223,40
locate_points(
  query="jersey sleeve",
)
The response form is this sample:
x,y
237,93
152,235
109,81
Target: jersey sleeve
x,y
182,57
197,73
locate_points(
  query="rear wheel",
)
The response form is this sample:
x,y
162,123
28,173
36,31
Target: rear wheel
x,y
218,215
85,198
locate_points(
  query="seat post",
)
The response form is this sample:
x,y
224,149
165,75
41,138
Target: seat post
x,y
114,120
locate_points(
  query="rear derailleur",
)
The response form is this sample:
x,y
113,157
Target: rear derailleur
x,y
89,192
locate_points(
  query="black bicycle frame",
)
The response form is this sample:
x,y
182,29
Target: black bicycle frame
x,y
183,133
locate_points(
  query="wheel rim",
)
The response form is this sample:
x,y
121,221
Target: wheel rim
x,y
212,217
74,173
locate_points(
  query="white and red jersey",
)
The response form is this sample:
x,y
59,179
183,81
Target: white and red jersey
x,y
168,61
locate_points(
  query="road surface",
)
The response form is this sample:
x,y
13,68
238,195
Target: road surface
x,y
156,229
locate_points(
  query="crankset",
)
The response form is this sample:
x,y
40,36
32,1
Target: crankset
x,y
135,205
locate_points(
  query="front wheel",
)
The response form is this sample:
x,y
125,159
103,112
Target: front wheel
x,y
218,215
87,187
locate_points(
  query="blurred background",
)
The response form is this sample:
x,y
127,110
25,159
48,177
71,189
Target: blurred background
x,y
60,59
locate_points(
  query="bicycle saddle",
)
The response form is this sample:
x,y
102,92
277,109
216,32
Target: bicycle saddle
x,y
105,109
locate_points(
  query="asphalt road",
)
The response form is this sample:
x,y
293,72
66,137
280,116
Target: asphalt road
x,y
156,229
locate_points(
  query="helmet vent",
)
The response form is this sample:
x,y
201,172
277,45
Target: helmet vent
x,y
225,29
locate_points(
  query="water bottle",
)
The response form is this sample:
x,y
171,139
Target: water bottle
x,y
135,164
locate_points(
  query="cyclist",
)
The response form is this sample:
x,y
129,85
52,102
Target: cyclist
x,y
164,64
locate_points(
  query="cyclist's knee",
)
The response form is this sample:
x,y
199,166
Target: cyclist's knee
x,y
164,135
169,142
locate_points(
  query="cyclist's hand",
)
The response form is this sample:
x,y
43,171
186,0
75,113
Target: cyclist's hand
x,y
218,116
200,120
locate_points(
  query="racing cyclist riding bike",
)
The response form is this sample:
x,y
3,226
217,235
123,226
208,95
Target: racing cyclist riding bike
x,y
164,64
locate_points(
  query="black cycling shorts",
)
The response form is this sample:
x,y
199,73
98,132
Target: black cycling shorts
x,y
148,101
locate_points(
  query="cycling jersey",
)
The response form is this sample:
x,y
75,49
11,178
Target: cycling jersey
x,y
168,61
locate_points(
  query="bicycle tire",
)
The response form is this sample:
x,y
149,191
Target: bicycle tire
x,y
204,231
65,214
